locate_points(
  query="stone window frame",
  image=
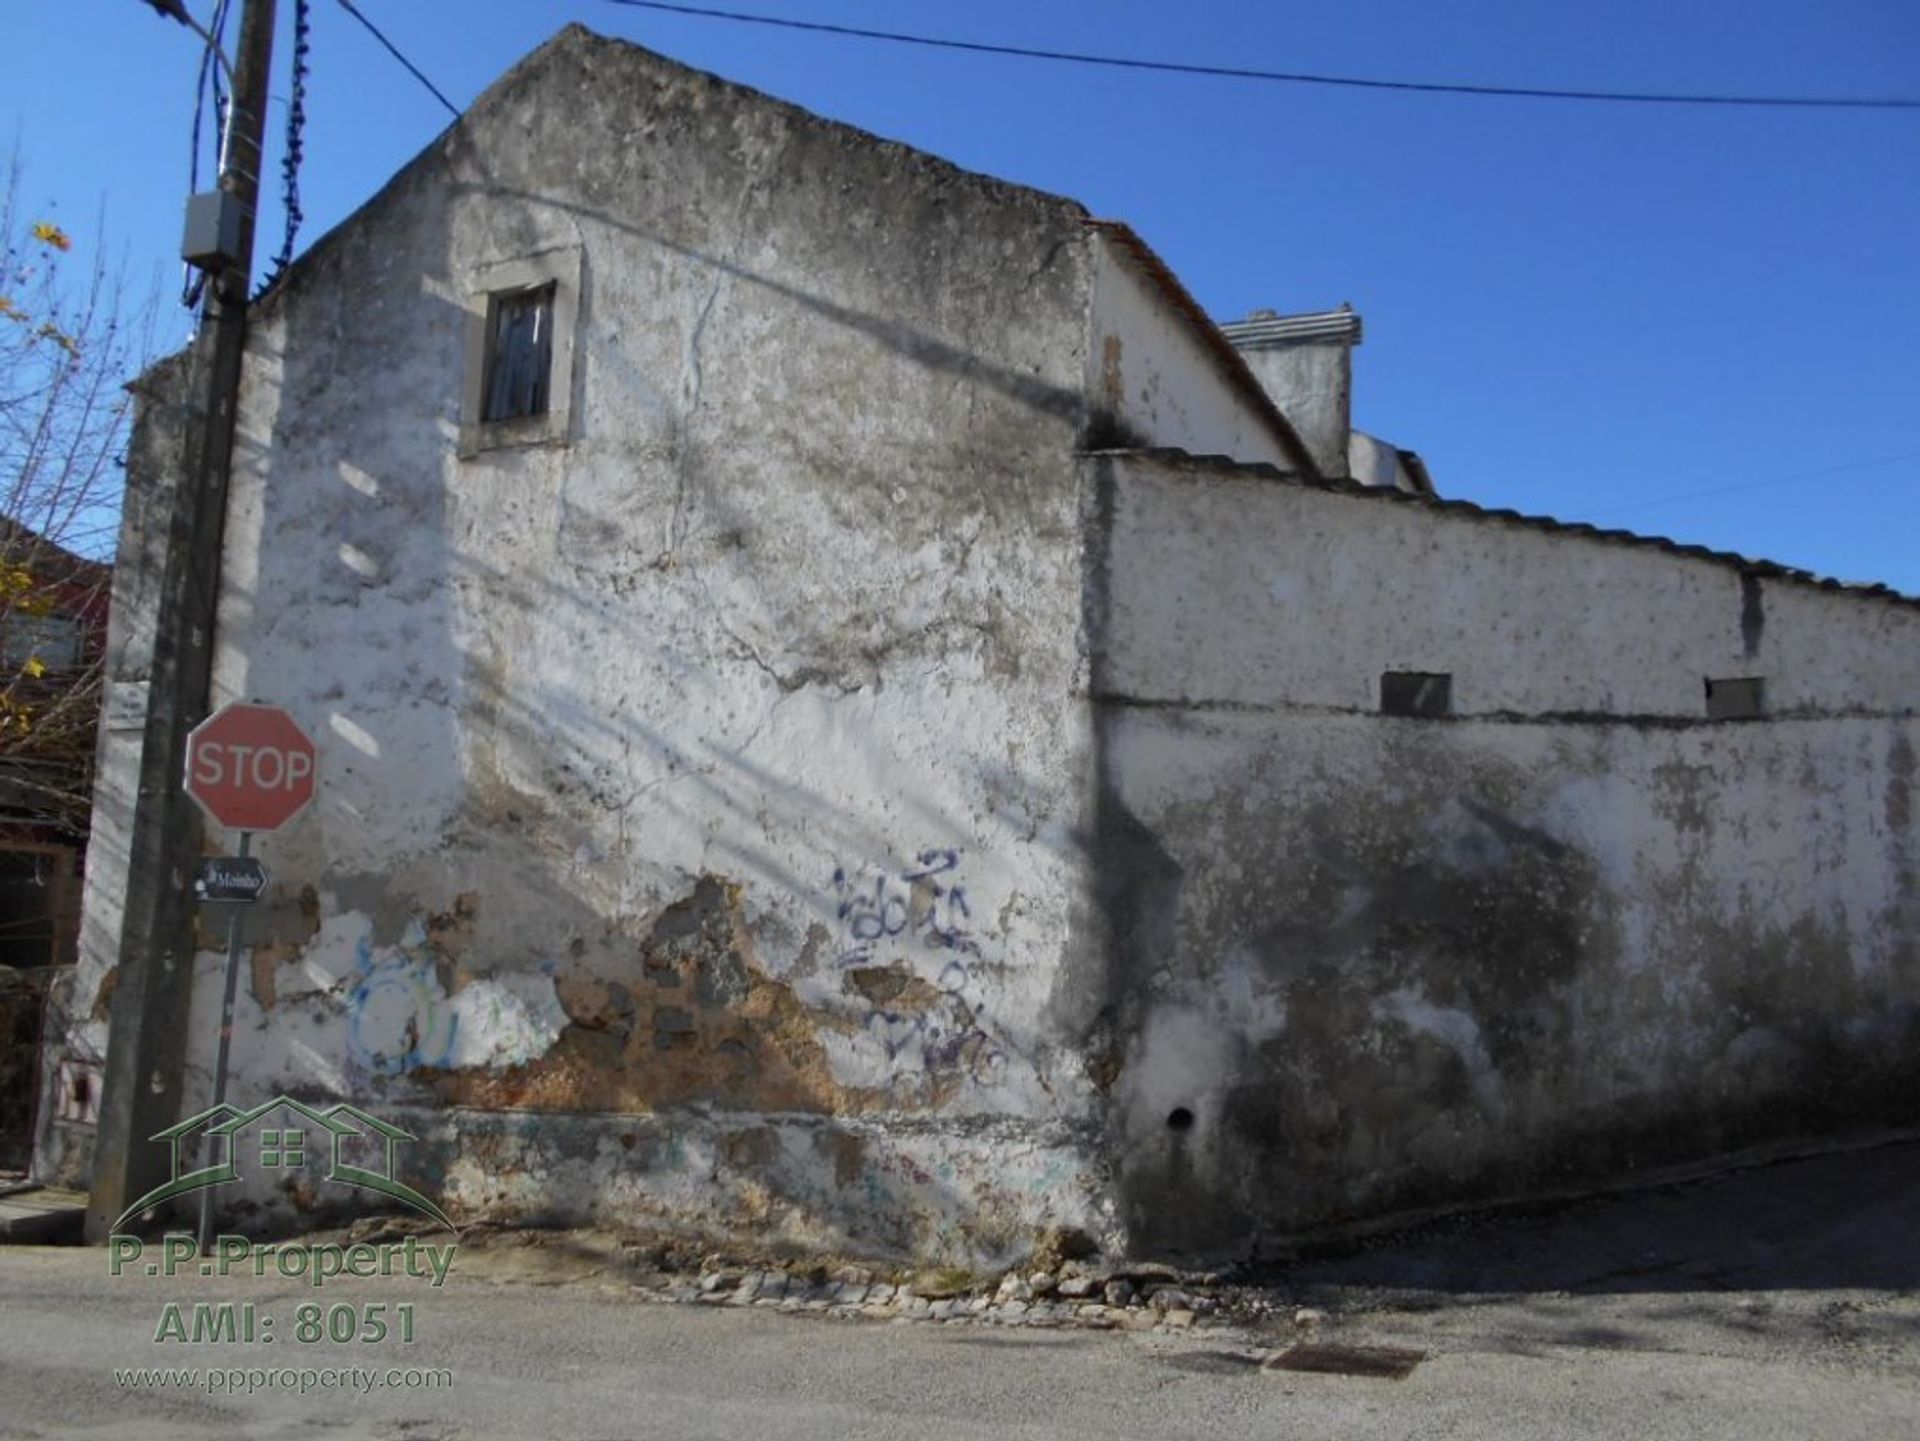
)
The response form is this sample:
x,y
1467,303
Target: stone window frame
x,y
488,285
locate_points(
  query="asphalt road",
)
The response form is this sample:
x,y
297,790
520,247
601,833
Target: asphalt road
x,y
1779,1304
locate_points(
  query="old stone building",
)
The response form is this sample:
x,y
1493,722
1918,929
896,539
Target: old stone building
x,y
849,712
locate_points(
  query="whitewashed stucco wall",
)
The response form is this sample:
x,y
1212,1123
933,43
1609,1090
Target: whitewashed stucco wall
x,y
1527,620
1155,378
710,774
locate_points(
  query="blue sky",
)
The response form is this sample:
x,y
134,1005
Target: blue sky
x,y
1702,324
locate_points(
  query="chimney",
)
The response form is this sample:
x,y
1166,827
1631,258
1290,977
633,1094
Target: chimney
x,y
1305,364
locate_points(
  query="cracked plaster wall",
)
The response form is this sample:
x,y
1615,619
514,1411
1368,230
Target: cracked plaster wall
x,y
696,827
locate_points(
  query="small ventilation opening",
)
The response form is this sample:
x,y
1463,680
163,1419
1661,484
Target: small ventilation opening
x,y
1416,693
1180,1119
1736,698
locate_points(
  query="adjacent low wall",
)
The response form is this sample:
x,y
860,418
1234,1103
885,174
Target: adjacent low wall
x,y
1366,962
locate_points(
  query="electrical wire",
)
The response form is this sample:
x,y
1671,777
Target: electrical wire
x,y
1231,72
295,147
210,83
393,50
1798,477
212,61
209,76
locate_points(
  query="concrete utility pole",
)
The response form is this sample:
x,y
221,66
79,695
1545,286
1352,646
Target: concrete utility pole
x,y
147,1041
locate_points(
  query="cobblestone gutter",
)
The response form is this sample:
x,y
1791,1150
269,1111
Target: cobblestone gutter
x,y
1066,1287
1101,1300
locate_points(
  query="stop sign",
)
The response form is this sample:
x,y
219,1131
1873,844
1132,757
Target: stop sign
x,y
250,767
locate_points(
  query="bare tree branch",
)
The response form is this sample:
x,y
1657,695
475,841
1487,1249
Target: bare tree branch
x,y
72,334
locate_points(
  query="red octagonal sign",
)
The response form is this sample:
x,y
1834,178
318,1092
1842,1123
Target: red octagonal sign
x,y
250,767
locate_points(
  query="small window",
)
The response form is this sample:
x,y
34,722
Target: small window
x,y
519,354
519,382
1737,698
1416,693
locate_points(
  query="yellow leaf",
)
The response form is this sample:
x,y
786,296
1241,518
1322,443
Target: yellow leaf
x,y
49,234
59,337
36,667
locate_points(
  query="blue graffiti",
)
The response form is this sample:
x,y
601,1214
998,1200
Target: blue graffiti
x,y
923,904
398,1018
911,903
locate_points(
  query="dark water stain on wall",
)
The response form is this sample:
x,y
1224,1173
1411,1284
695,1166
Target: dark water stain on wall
x,y
1902,918
1473,1001
1425,938
1753,614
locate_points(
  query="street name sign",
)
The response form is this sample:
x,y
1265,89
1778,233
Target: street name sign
x,y
229,878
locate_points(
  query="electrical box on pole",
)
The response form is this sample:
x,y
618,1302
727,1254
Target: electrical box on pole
x,y
212,238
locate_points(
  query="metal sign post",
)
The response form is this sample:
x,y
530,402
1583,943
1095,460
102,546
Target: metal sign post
x,y
228,991
250,768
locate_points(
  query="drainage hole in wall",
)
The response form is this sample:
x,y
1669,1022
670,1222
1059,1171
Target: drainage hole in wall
x,y
1180,1119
